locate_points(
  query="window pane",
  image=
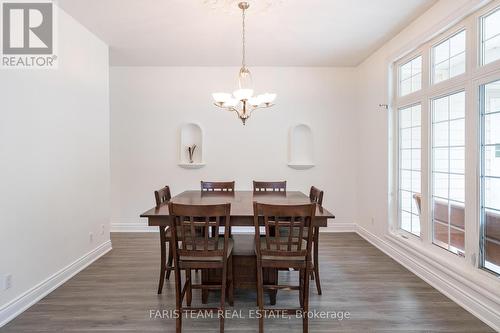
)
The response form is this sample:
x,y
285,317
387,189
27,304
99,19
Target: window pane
x,y
448,166
442,71
416,82
457,132
492,96
440,159
492,193
409,167
457,105
410,76
405,87
442,52
491,50
449,58
440,134
440,109
457,65
457,160
457,44
405,71
405,138
492,161
492,128
490,38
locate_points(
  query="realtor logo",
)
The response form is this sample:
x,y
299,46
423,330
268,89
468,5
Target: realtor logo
x,y
28,34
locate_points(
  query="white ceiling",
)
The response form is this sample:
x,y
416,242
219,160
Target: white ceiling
x,y
290,33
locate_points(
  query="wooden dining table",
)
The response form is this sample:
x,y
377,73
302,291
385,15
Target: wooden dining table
x,y
244,259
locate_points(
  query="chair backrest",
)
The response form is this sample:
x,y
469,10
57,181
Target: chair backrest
x,y
292,220
269,186
217,186
162,195
316,195
196,227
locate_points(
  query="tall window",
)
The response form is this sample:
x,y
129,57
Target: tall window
x,y
490,37
409,168
448,169
446,111
490,175
410,76
448,58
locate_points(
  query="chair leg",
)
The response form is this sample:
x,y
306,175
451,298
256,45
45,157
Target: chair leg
x,y
305,306
178,300
260,296
316,260
170,260
223,296
230,292
189,291
273,293
301,284
204,292
163,259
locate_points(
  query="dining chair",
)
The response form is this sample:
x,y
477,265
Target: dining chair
x,y
316,196
163,196
269,186
292,251
205,251
217,186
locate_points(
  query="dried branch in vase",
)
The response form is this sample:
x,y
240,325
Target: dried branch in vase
x,y
191,153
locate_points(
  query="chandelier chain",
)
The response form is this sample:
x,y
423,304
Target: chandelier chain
x,y
243,62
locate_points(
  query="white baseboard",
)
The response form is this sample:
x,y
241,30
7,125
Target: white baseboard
x,y
24,301
337,226
461,291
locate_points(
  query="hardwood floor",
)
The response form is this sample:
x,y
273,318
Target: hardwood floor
x,y
117,292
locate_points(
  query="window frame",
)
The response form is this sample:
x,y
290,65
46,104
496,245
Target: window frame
x,y
469,81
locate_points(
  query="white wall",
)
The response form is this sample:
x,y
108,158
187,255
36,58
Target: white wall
x,y
148,106
54,164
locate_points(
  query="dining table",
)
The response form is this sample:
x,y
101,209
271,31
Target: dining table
x,y
241,215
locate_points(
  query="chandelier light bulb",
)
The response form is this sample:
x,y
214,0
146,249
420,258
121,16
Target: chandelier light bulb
x,y
242,101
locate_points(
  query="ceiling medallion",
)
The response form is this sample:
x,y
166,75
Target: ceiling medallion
x,y
257,6
242,101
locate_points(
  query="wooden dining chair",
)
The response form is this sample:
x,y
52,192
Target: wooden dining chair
x,y
205,251
292,251
269,186
316,196
217,186
163,196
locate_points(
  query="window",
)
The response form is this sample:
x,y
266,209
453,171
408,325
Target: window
x,y
490,176
410,76
448,58
448,171
446,108
490,37
409,168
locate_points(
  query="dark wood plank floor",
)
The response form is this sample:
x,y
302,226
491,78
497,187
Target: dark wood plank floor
x,y
117,292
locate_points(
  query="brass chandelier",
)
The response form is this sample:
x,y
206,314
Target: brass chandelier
x,y
242,101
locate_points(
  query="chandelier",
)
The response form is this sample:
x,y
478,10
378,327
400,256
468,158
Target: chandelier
x,y
242,101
